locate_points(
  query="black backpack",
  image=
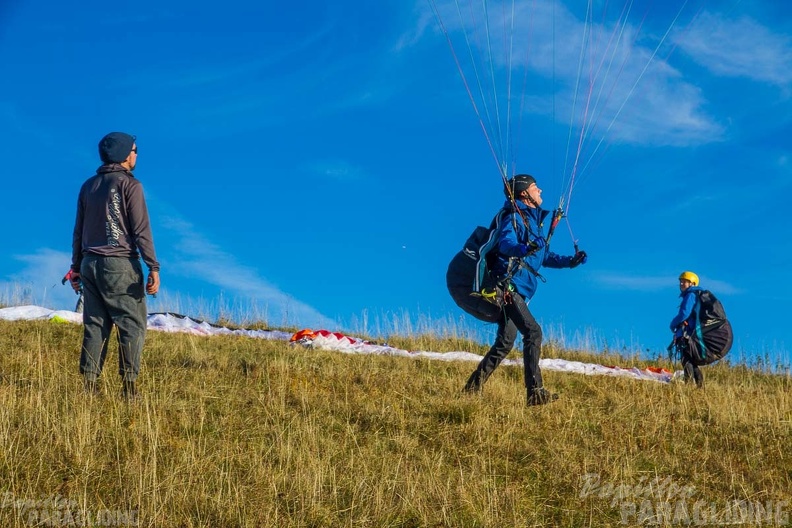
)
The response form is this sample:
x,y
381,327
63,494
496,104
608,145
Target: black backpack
x,y
469,272
713,336
711,314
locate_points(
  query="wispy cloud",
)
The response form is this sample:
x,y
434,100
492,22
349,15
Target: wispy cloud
x,y
740,47
424,23
210,76
302,78
607,79
39,281
720,287
634,283
337,170
194,256
649,283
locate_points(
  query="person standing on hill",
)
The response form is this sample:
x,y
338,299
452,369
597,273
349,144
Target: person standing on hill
x,y
702,334
112,230
520,251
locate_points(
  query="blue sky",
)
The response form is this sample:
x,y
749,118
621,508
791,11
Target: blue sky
x,y
319,164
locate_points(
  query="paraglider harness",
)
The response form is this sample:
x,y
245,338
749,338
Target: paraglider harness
x,y
498,291
710,337
469,279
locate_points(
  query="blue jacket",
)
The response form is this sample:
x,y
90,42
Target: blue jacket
x,y
513,241
686,312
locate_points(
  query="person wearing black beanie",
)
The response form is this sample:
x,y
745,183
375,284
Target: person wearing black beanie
x,y
115,147
519,251
112,232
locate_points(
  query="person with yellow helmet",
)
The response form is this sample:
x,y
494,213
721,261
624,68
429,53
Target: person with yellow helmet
x,y
688,287
702,334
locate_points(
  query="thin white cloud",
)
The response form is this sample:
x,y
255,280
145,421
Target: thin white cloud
x,y
649,283
39,281
719,287
337,170
242,71
634,283
426,22
224,101
195,256
740,47
620,88
304,78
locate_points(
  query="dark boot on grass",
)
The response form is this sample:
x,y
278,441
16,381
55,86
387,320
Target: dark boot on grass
x,y
91,386
475,383
129,391
541,396
688,370
698,377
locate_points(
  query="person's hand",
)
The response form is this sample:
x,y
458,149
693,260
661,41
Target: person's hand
x,y
578,258
534,245
74,280
153,283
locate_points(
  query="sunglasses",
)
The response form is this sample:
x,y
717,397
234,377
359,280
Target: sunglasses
x,y
135,150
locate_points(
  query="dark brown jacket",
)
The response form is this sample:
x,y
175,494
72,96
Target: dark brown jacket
x,y
112,218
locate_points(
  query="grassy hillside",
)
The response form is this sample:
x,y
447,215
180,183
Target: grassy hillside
x,y
239,432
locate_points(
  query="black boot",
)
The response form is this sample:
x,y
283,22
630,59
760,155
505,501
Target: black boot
x,y
475,382
693,374
698,377
541,396
129,392
688,369
91,386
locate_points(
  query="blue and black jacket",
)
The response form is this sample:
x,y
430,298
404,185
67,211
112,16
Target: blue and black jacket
x,y
687,313
514,239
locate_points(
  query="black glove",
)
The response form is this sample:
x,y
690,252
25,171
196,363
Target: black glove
x,y
533,246
577,259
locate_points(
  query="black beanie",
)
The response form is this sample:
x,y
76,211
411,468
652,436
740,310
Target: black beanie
x,y
115,147
518,184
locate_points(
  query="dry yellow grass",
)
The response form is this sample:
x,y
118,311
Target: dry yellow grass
x,y
239,432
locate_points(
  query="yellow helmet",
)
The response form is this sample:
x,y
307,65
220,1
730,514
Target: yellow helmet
x,y
689,276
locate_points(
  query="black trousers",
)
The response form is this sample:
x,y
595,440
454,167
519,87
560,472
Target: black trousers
x,y
516,318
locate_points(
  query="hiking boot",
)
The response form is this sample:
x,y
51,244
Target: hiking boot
x,y
541,396
688,368
91,387
129,392
698,377
474,383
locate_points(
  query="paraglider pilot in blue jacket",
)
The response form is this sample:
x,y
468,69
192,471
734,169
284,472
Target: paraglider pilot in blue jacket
x,y
685,319
520,252
697,346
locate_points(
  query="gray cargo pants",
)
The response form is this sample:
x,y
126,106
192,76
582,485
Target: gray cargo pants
x,y
114,294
